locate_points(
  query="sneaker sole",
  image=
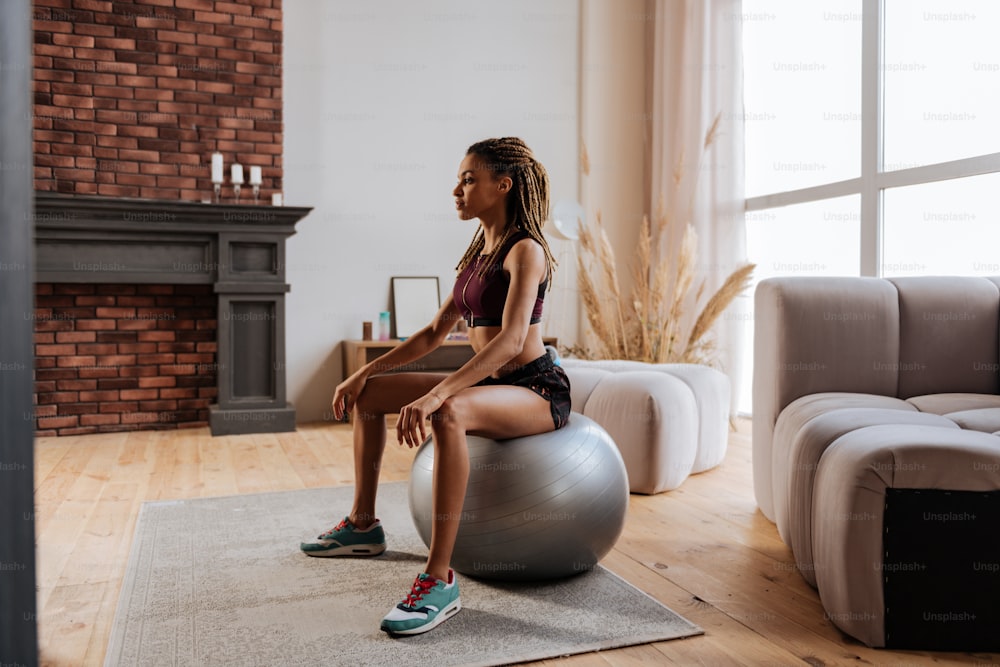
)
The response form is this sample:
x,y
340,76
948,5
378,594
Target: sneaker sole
x,y
445,614
348,551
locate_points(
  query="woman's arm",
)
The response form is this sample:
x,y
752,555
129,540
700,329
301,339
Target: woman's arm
x,y
424,341
414,347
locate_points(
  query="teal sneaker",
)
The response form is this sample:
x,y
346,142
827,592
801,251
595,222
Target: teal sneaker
x,y
428,605
346,540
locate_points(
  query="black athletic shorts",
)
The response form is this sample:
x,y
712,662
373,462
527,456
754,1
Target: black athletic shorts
x,y
545,379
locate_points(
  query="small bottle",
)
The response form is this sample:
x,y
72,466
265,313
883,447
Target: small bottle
x,y
383,325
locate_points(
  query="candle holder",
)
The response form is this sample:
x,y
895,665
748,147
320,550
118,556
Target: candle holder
x,y
217,187
256,193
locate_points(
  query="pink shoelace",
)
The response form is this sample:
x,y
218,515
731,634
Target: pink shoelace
x,y
420,588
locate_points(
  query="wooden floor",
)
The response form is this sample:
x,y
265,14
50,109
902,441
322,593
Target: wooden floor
x,y
704,550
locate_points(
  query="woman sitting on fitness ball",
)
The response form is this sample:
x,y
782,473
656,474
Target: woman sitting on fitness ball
x,y
509,389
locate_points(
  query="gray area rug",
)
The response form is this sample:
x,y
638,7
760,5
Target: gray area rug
x,y
221,581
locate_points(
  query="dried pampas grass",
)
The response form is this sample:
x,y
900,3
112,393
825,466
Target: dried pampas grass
x,y
648,326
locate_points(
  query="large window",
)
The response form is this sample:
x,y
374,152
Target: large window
x,y
872,142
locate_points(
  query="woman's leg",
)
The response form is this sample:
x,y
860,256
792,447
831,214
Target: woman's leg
x,y
382,395
497,412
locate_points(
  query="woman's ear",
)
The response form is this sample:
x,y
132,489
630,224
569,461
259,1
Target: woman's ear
x,y
504,184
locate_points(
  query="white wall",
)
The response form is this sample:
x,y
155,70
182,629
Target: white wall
x,y
381,101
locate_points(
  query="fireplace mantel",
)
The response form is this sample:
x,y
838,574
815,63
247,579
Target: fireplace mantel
x,y
239,249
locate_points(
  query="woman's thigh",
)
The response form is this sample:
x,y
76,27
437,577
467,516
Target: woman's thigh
x,y
390,392
502,411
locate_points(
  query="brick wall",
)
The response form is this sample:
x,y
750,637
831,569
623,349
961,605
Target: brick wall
x,y
131,98
123,357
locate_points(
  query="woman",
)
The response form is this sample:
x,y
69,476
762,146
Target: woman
x,y
510,387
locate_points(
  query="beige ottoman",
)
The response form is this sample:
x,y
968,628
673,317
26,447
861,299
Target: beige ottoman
x,y
668,420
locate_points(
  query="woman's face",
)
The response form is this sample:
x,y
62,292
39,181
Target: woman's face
x,y
479,192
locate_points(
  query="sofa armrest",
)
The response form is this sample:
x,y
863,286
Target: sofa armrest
x,y
812,335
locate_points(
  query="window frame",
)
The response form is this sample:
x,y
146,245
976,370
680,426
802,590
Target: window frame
x,y
873,181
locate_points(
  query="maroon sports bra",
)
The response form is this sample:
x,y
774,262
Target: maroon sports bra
x,y
481,299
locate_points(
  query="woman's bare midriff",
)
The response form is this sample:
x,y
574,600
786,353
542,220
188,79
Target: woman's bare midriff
x,y
533,345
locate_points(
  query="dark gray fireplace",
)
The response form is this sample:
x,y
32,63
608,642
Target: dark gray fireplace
x,y
238,249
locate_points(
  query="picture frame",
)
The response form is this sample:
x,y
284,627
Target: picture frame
x,y
415,301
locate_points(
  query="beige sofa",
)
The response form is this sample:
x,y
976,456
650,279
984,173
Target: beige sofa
x,y
867,390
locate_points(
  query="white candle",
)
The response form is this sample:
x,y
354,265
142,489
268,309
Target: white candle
x,y
276,199
237,174
255,175
217,176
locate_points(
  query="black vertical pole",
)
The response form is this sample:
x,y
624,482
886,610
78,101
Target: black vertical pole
x,y
18,608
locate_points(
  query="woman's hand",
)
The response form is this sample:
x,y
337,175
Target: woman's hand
x,y
346,395
411,426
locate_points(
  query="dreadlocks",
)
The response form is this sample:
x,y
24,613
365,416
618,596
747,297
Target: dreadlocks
x,y
527,202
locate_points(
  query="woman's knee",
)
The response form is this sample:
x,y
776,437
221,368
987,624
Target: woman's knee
x,y
451,416
367,405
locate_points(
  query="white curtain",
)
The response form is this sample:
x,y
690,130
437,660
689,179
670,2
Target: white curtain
x,y
696,73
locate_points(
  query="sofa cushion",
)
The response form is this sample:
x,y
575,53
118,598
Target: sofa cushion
x,y
948,330
790,422
793,510
942,404
986,420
